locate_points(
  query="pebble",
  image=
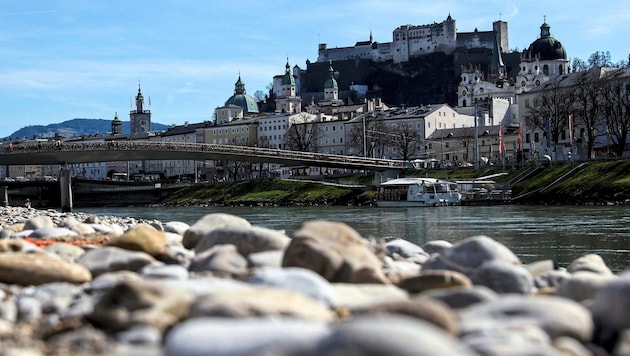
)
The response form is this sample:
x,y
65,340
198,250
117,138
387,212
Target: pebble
x,y
74,283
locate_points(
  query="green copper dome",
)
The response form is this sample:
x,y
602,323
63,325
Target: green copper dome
x,y
240,98
288,79
331,82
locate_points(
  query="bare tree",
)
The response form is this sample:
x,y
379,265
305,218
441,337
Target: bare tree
x,y
586,108
366,136
551,110
615,104
303,137
405,140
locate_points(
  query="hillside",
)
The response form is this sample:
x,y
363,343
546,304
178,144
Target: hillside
x,y
74,128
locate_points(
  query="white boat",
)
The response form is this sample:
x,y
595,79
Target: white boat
x,y
417,192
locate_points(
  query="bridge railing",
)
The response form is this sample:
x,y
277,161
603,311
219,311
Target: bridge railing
x,y
198,147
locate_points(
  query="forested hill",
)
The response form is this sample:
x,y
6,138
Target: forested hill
x,y
74,128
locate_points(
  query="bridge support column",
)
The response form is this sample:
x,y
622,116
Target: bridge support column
x,y
5,196
66,189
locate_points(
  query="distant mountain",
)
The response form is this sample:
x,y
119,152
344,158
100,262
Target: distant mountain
x,y
76,127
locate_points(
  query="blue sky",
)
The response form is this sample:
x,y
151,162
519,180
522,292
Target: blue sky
x,y
66,59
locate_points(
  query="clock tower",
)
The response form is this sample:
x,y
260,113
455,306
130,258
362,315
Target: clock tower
x,y
140,118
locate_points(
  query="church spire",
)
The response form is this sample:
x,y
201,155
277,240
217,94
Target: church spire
x,y
139,99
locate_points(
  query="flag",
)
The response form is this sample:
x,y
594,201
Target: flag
x,y
501,143
519,139
571,130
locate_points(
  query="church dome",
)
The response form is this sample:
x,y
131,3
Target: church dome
x,y
546,47
331,82
288,79
242,99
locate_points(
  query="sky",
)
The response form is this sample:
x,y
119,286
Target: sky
x,y
65,59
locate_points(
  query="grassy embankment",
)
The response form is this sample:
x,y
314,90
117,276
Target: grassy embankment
x,y
596,183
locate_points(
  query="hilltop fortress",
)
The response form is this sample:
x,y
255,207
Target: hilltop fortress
x,y
410,41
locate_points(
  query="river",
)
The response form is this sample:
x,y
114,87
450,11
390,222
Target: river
x,y
560,233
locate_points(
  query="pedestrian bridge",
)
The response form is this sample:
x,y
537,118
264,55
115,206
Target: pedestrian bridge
x,y
84,152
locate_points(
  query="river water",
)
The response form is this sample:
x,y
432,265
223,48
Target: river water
x,y
560,233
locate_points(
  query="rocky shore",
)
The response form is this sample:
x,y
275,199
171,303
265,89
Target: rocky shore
x,y
75,284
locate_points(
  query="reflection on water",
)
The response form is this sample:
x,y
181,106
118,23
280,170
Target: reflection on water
x,y
561,233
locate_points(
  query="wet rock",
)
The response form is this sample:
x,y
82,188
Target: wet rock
x,y
209,222
335,251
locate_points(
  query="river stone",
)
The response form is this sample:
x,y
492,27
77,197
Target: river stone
x,y
301,280
219,258
398,270
539,268
138,303
436,279
590,263
247,239
113,230
462,297
162,271
6,233
356,296
107,281
403,248
11,245
56,297
496,339
65,251
419,307
582,285
436,246
335,251
551,279
39,268
570,346
109,259
246,336
201,286
466,255
611,305
209,222
260,301
503,277
52,232
176,227
271,259
384,334
38,222
555,315
142,237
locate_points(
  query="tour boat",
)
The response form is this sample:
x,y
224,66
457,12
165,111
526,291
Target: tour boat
x,y
417,192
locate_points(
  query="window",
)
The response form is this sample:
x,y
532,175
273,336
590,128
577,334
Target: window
x,y
536,137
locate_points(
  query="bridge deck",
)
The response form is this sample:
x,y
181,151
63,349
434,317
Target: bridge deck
x,y
84,152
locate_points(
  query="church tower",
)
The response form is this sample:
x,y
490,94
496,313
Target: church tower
x,y
288,101
140,118
331,89
116,125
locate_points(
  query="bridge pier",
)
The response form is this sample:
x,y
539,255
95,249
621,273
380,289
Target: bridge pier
x,y
5,196
66,189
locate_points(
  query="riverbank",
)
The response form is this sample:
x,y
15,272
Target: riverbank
x,y
591,183
72,283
